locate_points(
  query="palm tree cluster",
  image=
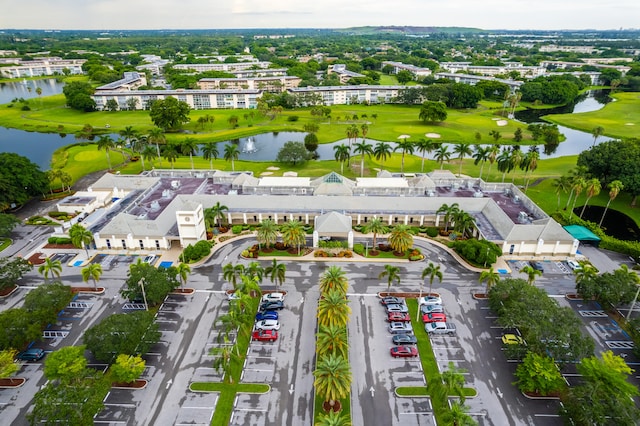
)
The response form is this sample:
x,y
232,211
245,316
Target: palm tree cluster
x,y
509,159
576,181
463,223
333,373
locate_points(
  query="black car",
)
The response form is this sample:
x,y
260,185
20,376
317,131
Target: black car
x,y
390,300
537,266
272,305
404,339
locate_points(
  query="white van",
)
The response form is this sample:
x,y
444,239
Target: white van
x,y
574,265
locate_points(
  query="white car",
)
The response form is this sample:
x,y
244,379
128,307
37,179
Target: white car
x,y
233,296
430,300
273,297
268,325
575,266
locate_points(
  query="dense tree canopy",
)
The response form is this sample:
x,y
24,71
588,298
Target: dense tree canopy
x,y
552,90
20,179
433,111
78,95
157,282
11,270
169,113
293,153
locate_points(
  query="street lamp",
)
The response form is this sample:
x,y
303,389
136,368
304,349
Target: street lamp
x,y
633,303
366,248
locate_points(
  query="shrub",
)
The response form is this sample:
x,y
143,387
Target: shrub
x,y
59,240
358,248
384,247
196,252
293,118
279,245
432,231
236,229
477,252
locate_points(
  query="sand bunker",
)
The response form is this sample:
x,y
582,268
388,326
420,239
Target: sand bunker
x,y
273,168
266,173
502,123
433,135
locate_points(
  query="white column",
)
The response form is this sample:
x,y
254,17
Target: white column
x,y
350,239
244,218
390,219
406,219
315,238
421,219
437,220
260,217
358,219
275,218
306,218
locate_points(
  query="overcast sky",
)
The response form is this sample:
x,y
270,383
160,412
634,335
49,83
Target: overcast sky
x,y
214,14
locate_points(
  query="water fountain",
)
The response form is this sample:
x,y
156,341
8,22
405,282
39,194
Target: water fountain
x,y
249,146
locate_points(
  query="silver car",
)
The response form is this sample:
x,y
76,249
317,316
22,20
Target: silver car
x,y
397,327
396,307
268,325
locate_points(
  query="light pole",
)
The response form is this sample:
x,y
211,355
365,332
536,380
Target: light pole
x,y
144,296
485,257
366,248
633,303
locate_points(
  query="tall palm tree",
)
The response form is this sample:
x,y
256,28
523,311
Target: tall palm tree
x,y
432,271
250,284
128,133
106,143
189,146
573,175
342,154
352,134
148,153
614,189
276,272
256,271
156,135
593,188
170,152
504,162
401,239
579,184
462,149
381,152
222,358
231,153
531,272
494,150
183,270
210,152
515,159
449,212
375,227
458,415
332,340
364,128
333,309
334,278
442,154
80,237
293,234
138,144
392,273
267,233
596,132
481,155
425,146
50,267
491,277
586,272
405,146
362,148
463,223
215,214
232,273
530,163
92,271
561,184
332,378
453,381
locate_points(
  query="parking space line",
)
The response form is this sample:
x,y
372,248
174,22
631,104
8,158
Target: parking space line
x,y
110,422
260,410
417,412
546,415
120,405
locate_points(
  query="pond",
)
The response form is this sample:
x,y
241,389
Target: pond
x,y
26,89
615,223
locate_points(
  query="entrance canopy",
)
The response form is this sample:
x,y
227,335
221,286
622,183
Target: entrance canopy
x,y
582,234
333,224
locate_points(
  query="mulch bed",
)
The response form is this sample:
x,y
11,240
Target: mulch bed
x,y
183,291
60,246
136,384
535,395
409,295
337,406
12,383
37,258
87,290
480,296
7,291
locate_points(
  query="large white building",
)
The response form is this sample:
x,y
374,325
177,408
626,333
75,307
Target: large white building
x,y
236,66
165,208
43,66
276,84
346,95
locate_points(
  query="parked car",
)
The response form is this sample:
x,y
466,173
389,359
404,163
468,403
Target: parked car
x,y
434,317
430,300
267,325
150,259
265,335
425,309
404,339
273,297
575,266
266,315
398,316
398,327
440,328
272,306
537,266
33,354
404,351
397,308
512,339
391,300
233,296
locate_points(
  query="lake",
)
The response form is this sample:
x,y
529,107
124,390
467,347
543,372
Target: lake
x,y
26,89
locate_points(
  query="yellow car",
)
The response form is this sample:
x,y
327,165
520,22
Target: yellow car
x,y
512,339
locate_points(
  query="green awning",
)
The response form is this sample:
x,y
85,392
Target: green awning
x,y
582,234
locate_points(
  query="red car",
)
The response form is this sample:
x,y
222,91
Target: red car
x,y
404,351
398,316
434,317
265,335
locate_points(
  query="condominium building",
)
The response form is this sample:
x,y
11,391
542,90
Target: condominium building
x,y
236,66
345,95
268,84
196,99
399,66
43,66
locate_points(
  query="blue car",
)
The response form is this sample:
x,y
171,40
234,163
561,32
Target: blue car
x,y
267,315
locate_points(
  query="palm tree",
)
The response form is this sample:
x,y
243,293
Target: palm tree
x,y
128,133
50,267
586,272
442,154
462,149
352,133
453,381
458,416
504,162
491,277
573,175
210,152
105,142
170,152
495,135
332,340
215,214
148,153
362,148
375,227
293,234
531,272
232,273
92,271
333,418
401,239
364,128
463,222
480,154
333,309
231,153
188,146
342,155
276,272
256,271
156,135
449,212
593,188
530,163
334,278
491,156
183,270
250,285
596,132
579,183
332,378
614,189
392,273
515,159
222,361
405,146
80,237
425,146
561,184
267,233
432,271
381,152
138,144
